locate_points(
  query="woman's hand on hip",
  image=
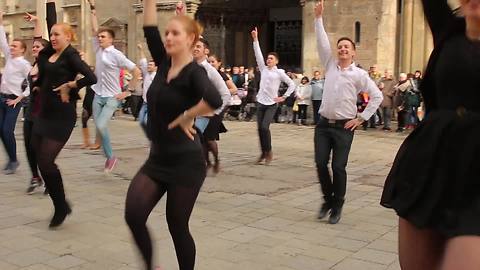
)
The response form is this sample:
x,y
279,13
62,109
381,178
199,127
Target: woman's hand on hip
x,y
64,92
185,122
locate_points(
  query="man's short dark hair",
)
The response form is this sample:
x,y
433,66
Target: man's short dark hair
x,y
274,54
23,45
108,30
205,43
347,39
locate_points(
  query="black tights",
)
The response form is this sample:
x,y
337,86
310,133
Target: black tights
x,y
210,146
86,114
47,151
31,155
143,194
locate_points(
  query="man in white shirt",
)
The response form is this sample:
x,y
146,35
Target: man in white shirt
x,y
149,71
210,125
11,93
108,93
338,115
267,97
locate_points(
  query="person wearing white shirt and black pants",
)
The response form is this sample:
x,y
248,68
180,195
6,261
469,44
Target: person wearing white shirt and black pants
x,y
267,97
212,129
338,115
15,73
108,93
149,70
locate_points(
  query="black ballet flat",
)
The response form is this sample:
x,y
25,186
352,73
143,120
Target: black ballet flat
x,y
59,217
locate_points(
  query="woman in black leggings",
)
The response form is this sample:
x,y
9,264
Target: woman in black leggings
x,y
180,91
58,66
31,109
86,114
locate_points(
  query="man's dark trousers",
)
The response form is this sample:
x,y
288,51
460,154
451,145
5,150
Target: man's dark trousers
x,y
332,138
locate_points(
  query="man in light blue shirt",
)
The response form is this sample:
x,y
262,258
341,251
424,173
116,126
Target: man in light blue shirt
x,y
317,93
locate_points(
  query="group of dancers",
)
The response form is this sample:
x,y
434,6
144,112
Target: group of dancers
x,y
432,185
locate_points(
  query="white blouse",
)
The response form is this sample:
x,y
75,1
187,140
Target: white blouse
x,y
15,72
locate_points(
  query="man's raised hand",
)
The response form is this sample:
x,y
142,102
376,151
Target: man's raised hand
x,y
180,8
30,17
255,34
319,7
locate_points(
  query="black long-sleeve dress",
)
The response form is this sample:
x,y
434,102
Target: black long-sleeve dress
x,y
56,119
434,180
174,158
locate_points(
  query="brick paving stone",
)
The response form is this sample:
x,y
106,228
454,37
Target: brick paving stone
x,y
350,264
247,217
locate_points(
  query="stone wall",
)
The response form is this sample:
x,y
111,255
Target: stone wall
x,y
400,43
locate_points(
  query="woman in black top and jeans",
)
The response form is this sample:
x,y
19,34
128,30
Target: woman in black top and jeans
x,y
434,185
179,92
58,66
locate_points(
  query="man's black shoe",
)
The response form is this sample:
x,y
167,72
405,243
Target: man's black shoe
x,y
335,215
324,211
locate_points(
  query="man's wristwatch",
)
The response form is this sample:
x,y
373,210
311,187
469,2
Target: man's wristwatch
x,y
92,7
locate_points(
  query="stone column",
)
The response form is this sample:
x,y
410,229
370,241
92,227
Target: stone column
x,y
310,61
407,23
41,14
386,44
86,33
428,46
165,10
418,38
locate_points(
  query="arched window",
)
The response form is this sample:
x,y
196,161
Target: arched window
x,y
358,30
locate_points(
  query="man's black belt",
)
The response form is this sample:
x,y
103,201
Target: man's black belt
x,y
333,122
8,96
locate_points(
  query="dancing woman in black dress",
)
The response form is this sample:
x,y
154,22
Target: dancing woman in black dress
x,y
434,185
58,66
179,92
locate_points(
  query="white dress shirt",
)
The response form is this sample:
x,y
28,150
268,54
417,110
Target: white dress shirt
x,y
342,86
218,83
109,62
15,72
147,77
270,79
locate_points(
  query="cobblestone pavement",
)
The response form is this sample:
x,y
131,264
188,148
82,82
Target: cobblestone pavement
x,y
247,217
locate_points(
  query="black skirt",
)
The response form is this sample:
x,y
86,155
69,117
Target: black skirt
x,y
178,164
434,182
214,128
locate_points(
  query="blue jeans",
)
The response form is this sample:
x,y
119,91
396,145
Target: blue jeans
x,y
103,109
143,116
201,123
8,119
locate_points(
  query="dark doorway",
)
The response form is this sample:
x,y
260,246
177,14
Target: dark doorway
x,y
228,24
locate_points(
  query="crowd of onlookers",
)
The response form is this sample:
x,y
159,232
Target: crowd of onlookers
x,y
402,99
401,103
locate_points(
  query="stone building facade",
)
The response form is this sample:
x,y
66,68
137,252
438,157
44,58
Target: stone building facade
x,y
390,33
